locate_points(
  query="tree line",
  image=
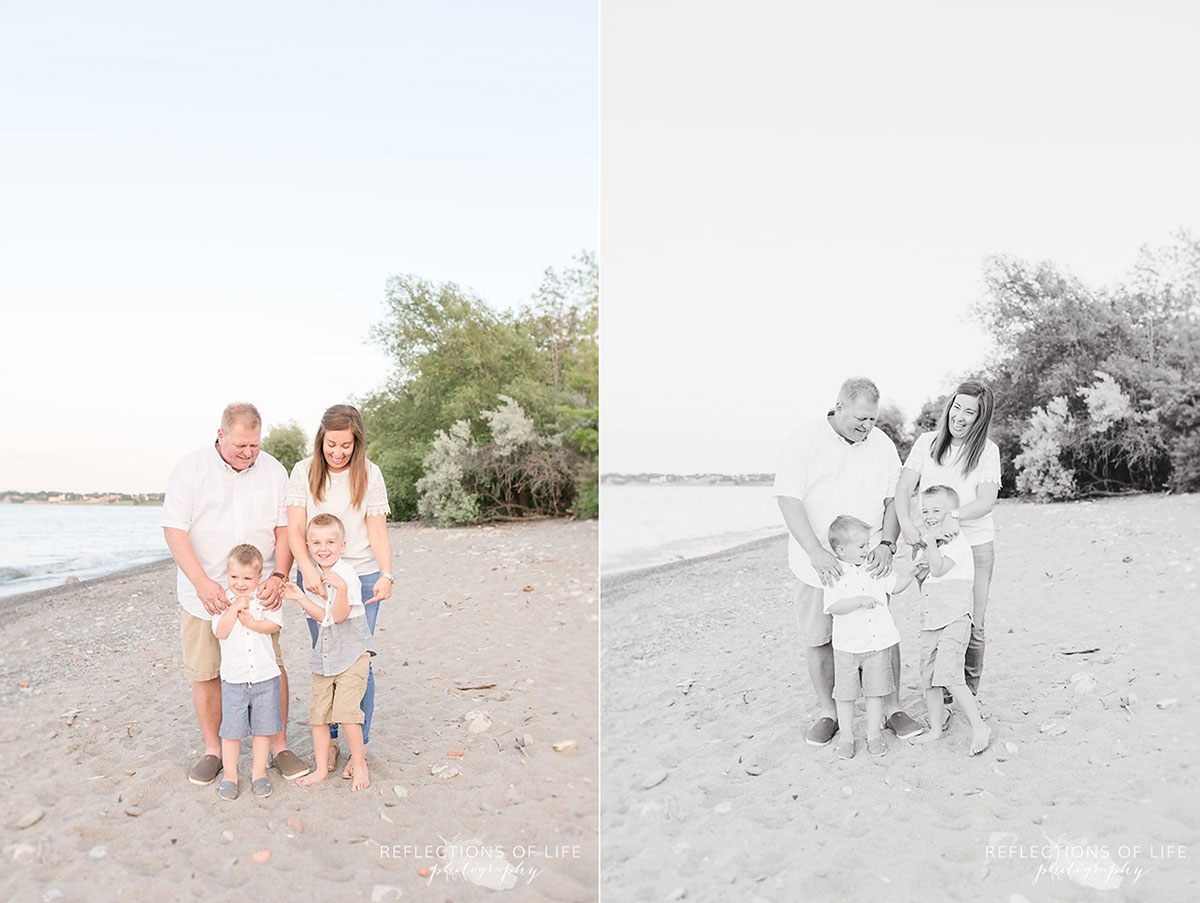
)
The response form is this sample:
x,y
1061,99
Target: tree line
x,y
1097,388
488,414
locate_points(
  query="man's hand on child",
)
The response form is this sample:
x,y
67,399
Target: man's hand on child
x,y
212,596
269,593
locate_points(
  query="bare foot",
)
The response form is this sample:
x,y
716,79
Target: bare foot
x,y
362,779
312,777
980,738
930,736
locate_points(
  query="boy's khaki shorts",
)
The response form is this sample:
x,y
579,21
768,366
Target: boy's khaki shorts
x,y
875,669
943,654
202,650
338,699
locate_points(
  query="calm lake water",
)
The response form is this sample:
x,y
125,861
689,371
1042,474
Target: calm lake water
x,y
646,525
42,545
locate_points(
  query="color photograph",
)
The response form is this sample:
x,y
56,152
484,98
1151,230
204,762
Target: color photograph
x,y
298,517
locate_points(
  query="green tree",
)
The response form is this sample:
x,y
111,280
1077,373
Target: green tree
x,y
286,443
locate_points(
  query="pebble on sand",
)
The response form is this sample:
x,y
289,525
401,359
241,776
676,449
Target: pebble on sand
x,y
480,723
564,745
133,811
228,835
1167,703
98,852
261,856
401,792
30,818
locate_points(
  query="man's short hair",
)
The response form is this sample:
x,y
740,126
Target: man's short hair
x,y
247,555
240,412
858,387
844,528
327,520
947,491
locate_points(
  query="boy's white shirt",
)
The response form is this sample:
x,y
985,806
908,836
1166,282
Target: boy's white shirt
x,y
950,596
248,656
864,629
353,593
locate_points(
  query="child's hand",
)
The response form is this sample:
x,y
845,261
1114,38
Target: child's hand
x,y
869,602
245,618
291,591
241,603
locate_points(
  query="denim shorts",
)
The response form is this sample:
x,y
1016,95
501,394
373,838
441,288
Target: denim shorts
x,y
870,672
250,710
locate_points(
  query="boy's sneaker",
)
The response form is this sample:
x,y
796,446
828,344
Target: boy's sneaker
x,y
261,787
227,790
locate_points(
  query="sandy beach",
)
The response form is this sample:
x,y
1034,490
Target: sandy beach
x,y
501,620
1087,792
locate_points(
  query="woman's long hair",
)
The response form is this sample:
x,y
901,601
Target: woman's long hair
x,y
340,417
976,438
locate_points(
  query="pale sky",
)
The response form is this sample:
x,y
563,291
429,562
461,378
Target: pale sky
x,y
797,192
201,203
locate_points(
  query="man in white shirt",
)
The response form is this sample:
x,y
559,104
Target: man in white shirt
x,y
838,465
217,497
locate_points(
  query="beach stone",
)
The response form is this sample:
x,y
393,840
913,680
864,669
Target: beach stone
x,y
479,724
1011,747
98,852
655,778
133,811
21,853
261,856
53,894
401,792
754,770
1085,685
30,818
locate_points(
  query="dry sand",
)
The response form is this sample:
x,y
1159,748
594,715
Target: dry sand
x,y
114,815
710,792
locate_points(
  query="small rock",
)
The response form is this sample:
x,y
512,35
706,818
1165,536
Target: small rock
x,y
1085,685
23,684
133,811
401,792
1011,747
261,856
30,818
228,836
848,791
528,589
564,745
448,774
479,724
1167,703
1052,728
53,894
21,853
381,892
1039,819
723,808
129,773
295,824
677,894
654,778
98,852
754,770
423,872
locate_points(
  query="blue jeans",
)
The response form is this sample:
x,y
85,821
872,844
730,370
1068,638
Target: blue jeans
x,y
372,610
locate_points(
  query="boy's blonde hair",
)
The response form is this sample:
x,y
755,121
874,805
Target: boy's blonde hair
x,y
844,528
327,520
246,554
947,491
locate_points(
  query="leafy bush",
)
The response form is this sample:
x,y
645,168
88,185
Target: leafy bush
x,y
286,444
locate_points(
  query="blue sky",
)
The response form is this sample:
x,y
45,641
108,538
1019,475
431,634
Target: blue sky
x,y
203,202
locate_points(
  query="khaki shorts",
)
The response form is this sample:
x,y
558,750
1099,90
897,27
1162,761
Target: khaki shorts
x,y
943,654
338,699
202,650
865,673
815,627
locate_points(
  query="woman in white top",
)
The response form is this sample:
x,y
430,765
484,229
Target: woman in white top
x,y
960,455
338,479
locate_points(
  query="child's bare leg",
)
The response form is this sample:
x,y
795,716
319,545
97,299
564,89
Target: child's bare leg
x,y
229,758
935,706
874,717
320,735
981,734
358,756
262,751
845,712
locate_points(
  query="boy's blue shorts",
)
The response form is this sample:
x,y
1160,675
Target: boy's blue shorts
x,y
250,710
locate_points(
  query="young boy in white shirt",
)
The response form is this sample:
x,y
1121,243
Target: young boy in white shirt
x,y
341,653
947,602
863,633
250,683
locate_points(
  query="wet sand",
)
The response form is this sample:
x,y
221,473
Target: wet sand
x,y
97,804
710,792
